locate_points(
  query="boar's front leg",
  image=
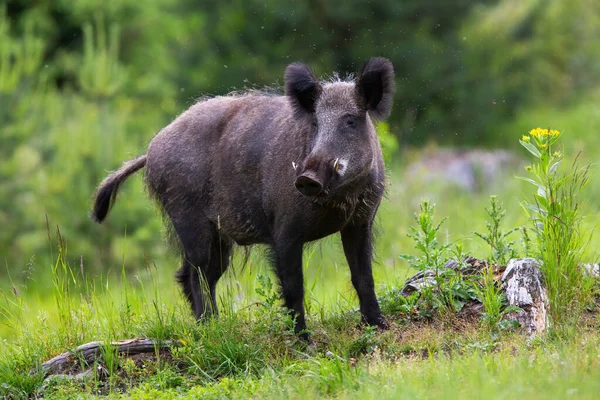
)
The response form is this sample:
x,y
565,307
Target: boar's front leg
x,y
288,265
357,241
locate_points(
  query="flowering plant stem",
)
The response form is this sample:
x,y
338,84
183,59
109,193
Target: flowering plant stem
x,y
556,217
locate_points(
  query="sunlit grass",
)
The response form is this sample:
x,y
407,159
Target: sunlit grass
x,y
249,351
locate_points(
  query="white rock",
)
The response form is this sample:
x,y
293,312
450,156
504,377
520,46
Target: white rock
x,y
524,289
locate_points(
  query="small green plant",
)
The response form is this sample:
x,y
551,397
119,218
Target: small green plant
x,y
366,342
526,241
556,218
488,290
501,249
274,318
494,302
224,349
425,238
111,362
393,302
449,291
270,298
492,298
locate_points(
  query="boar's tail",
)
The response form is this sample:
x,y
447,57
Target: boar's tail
x,y
107,191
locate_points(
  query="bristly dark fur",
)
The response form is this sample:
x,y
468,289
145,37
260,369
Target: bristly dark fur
x,y
376,85
302,87
107,191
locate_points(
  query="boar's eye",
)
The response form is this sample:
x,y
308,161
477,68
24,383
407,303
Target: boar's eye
x,y
315,124
351,122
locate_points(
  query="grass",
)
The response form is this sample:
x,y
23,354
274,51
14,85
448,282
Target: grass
x,y
249,351
533,372
253,353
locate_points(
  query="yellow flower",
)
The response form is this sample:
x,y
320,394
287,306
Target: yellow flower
x,y
556,154
537,132
544,146
525,138
528,168
542,133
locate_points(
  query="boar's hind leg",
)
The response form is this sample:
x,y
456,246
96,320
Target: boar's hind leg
x,y
357,242
205,259
288,265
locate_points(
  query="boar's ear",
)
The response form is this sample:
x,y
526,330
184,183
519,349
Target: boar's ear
x,y
302,87
375,87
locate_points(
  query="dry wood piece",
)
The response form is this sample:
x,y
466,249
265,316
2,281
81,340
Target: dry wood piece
x,y
524,289
426,278
90,352
418,282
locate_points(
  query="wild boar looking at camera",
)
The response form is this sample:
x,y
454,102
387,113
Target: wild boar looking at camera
x,y
277,170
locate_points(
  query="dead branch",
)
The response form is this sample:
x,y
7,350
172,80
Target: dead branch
x,y
90,352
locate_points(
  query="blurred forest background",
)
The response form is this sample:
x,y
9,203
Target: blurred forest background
x,y
84,85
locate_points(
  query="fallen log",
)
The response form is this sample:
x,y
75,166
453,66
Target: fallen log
x,y
520,280
470,266
88,353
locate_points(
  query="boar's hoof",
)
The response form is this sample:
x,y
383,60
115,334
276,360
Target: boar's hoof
x,y
379,321
305,337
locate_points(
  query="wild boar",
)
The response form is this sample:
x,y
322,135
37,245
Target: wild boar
x,y
280,170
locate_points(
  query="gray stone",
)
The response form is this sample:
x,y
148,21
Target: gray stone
x,y
524,289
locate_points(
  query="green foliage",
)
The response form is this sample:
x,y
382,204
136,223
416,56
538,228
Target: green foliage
x,y
365,343
501,249
528,52
492,298
392,301
101,74
266,291
494,303
224,388
425,240
276,319
557,221
231,357
20,57
110,358
450,290
389,142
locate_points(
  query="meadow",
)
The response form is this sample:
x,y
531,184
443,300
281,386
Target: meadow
x,y
249,351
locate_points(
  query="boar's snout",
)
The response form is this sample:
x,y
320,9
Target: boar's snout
x,y
308,184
